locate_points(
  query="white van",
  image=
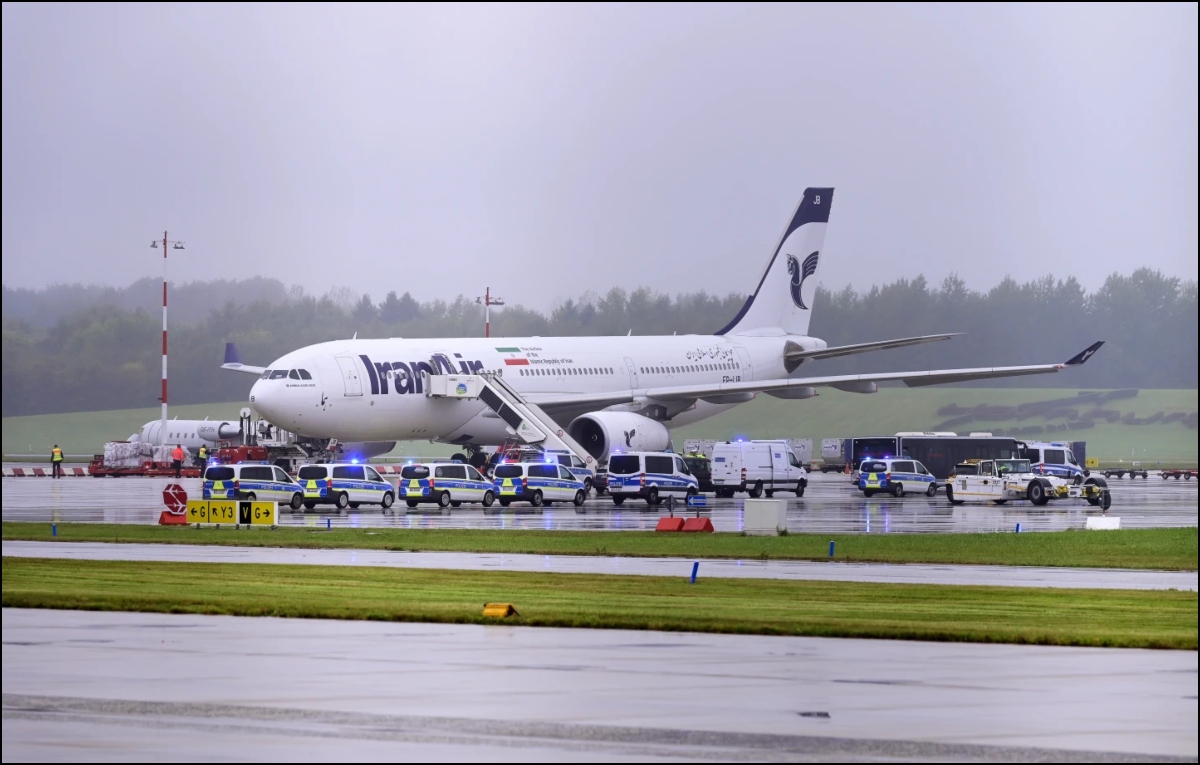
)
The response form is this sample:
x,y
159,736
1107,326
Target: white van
x,y
756,467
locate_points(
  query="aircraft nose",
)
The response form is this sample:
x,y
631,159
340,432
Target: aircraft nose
x,y
265,400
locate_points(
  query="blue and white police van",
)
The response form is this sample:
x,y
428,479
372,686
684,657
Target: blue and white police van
x,y
576,466
1052,458
538,483
253,481
896,477
651,476
344,485
445,484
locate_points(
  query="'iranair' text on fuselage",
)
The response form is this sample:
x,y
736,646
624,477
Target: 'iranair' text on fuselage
x,y
405,376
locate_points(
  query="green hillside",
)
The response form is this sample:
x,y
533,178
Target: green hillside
x,y
832,414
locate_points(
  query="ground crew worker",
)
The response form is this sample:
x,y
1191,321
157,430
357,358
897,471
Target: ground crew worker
x,y
202,456
177,459
56,457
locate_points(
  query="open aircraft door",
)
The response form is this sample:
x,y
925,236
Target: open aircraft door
x,y
351,376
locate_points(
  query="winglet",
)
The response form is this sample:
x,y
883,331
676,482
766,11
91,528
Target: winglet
x,y
231,354
1085,354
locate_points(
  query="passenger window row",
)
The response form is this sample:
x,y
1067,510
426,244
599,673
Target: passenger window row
x,y
552,371
691,368
279,374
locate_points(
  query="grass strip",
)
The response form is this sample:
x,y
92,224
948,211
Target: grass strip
x,y
1166,549
1123,618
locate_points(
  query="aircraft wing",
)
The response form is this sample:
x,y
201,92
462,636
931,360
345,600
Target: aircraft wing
x,y
552,402
847,350
233,361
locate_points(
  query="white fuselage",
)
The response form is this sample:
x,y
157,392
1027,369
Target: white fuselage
x,y
346,400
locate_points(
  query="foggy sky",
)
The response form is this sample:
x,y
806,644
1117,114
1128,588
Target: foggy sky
x,y
549,150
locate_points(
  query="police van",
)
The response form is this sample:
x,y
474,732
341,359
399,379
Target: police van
x,y
651,476
1053,458
896,477
580,470
538,483
253,481
446,485
344,485
756,467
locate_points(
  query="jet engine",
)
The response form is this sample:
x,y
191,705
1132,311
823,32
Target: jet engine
x,y
603,432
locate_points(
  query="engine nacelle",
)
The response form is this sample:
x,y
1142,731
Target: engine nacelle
x,y
601,432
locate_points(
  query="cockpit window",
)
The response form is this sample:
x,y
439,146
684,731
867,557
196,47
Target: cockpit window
x,y
294,375
304,375
277,374
266,373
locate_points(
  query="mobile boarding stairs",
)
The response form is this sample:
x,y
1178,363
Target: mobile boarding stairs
x,y
525,420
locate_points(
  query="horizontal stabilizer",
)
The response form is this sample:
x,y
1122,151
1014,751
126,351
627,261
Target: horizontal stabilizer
x,y
881,345
233,361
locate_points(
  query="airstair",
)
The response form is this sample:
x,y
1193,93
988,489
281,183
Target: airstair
x,y
526,421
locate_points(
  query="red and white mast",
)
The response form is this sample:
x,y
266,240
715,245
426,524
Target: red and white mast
x,y
488,301
162,430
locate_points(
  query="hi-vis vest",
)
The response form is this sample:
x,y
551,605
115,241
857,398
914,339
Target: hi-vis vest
x,y
177,454
56,454
203,452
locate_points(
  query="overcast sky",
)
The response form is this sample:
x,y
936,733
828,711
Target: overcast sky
x,y
546,151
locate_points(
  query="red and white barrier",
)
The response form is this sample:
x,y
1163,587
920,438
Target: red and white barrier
x,y
43,472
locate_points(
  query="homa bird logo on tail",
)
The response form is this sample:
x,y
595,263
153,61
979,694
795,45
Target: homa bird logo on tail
x,y
799,274
629,434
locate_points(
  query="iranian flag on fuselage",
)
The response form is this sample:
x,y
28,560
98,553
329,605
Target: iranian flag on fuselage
x,y
514,357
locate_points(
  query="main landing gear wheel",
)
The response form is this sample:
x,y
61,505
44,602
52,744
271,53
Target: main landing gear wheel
x,y
950,495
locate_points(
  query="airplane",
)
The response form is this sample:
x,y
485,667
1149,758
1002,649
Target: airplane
x,y
607,392
192,434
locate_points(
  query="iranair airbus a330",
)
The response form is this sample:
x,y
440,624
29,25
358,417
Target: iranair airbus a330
x,y
594,393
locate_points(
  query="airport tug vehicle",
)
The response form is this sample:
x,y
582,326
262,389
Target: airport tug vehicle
x,y
1002,480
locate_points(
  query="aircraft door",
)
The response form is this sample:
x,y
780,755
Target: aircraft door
x,y
633,378
747,370
350,375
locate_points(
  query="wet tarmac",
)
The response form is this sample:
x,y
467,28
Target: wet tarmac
x,y
121,686
908,573
830,505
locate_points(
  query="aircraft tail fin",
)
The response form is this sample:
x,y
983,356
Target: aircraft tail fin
x,y
782,301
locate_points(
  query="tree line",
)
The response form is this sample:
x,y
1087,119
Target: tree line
x,y
104,353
